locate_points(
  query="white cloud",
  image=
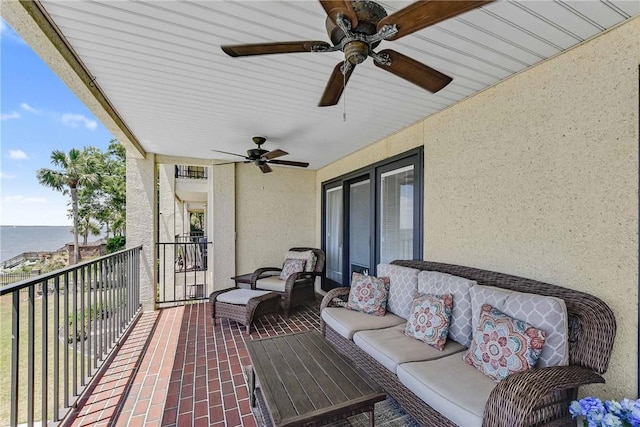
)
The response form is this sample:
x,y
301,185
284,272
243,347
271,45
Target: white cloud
x,y
29,108
11,115
24,200
74,120
6,31
6,175
18,155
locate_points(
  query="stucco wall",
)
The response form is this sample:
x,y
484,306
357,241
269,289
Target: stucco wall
x,y
274,212
538,177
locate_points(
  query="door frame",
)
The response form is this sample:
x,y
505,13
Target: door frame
x,y
373,172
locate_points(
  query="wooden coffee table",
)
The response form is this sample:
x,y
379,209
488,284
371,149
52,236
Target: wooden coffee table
x,y
304,381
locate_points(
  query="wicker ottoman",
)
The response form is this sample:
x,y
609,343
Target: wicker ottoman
x,y
243,305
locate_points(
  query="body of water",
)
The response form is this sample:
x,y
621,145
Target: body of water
x,y
15,240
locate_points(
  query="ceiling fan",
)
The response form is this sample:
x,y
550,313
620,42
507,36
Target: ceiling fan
x,y
356,28
263,158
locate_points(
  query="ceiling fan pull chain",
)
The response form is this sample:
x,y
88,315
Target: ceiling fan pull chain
x,y
344,98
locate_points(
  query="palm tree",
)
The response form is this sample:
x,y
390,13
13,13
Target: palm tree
x,y
76,170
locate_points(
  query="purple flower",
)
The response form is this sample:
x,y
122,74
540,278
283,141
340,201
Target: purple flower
x,y
610,420
575,409
613,407
592,406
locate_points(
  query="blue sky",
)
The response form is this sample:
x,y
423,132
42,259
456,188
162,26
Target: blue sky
x,y
38,114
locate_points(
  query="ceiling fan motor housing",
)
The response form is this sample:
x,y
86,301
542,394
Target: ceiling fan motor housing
x,y
368,13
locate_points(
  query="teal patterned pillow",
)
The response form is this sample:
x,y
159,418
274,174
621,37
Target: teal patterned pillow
x,y
503,345
368,294
430,319
291,266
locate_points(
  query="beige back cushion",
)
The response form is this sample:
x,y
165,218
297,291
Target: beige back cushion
x,y
548,314
309,256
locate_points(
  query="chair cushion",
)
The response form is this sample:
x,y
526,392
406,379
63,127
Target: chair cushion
x,y
429,319
403,284
455,389
368,294
271,283
308,256
390,347
503,345
546,313
239,296
292,266
348,322
436,283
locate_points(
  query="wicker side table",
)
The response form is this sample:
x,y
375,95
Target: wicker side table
x,y
243,305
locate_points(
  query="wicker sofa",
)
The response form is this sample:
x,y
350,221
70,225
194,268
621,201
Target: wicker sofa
x,y
536,397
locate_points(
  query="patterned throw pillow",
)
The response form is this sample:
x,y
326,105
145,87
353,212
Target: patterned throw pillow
x,y
291,266
308,256
429,319
503,345
368,294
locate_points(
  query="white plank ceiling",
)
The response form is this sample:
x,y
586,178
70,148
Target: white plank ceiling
x,y
160,65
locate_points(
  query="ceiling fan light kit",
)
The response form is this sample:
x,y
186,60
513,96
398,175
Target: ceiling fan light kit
x,y
356,28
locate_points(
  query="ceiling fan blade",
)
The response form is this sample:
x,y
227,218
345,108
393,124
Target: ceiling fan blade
x,y
275,153
421,14
289,163
271,48
232,154
340,7
335,86
265,168
414,71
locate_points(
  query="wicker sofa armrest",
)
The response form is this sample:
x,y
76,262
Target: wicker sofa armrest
x,y
327,301
516,397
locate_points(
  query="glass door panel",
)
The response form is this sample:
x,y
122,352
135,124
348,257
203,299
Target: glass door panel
x,y
396,214
333,236
359,227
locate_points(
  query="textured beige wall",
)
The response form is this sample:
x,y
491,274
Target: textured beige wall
x,y
538,177
141,203
274,212
222,208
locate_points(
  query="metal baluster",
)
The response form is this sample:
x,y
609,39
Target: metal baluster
x,y
56,348
83,329
15,350
75,332
66,340
45,349
31,356
96,289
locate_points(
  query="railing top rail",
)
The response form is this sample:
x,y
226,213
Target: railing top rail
x,y
28,282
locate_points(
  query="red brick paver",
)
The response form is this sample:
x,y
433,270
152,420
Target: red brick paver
x,y
191,373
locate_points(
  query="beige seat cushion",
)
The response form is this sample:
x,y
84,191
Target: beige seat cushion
x,y
271,283
348,322
391,347
239,296
450,386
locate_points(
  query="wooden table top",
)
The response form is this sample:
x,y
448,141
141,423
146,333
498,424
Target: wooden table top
x,y
303,379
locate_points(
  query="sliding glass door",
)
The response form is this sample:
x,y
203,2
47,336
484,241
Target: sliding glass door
x,y
333,242
397,210
373,215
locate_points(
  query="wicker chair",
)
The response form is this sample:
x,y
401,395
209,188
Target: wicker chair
x,y
299,287
537,397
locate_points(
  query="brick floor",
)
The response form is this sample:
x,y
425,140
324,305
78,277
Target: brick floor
x,y
190,373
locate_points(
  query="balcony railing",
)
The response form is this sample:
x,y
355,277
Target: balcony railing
x,y
64,326
191,172
183,270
